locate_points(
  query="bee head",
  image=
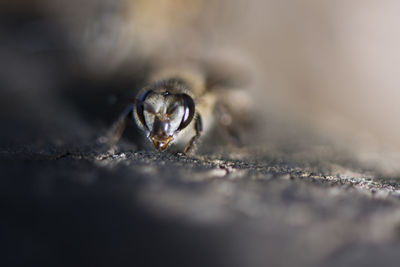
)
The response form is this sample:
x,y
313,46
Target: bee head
x,y
163,114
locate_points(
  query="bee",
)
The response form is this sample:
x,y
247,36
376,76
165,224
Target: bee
x,y
177,108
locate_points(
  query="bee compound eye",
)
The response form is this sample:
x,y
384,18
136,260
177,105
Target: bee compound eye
x,y
140,106
188,114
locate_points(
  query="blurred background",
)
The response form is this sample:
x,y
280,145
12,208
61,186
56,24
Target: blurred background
x,y
326,69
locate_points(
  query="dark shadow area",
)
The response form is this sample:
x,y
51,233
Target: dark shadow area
x,y
53,219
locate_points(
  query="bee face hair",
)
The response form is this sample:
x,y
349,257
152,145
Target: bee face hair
x,y
162,113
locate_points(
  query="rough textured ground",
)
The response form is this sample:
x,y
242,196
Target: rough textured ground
x,y
65,201
144,208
